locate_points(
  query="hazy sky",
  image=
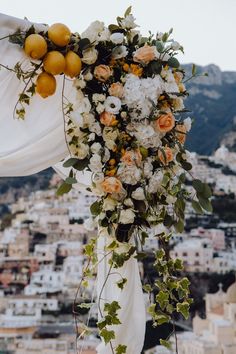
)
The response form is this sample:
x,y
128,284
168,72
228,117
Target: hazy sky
x,y
206,28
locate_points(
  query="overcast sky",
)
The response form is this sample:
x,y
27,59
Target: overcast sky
x,y
206,28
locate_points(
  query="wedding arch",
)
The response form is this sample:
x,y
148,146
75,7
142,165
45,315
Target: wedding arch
x,y
106,109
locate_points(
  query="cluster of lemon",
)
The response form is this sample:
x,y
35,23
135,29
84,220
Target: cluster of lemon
x,y
54,62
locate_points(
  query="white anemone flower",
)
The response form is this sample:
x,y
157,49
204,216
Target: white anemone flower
x,y
112,104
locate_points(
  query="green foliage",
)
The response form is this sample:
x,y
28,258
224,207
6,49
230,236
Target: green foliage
x,y
121,349
165,343
107,335
64,188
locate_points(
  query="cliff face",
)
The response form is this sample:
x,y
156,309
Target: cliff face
x,y
212,101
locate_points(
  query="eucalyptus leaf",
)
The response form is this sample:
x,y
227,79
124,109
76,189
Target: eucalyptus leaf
x,y
70,162
173,62
64,188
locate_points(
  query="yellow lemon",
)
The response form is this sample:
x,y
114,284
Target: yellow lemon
x,y
59,34
54,63
45,84
35,46
73,64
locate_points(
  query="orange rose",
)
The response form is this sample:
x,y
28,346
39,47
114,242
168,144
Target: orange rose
x,y
165,156
132,157
181,133
178,77
102,72
145,54
165,122
116,89
136,70
111,185
107,118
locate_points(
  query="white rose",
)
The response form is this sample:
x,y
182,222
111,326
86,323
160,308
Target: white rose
x,y
109,204
127,216
95,148
138,194
95,163
178,104
119,52
98,97
170,199
128,22
98,177
92,32
188,124
117,38
77,118
91,137
106,155
109,136
89,56
88,118
82,151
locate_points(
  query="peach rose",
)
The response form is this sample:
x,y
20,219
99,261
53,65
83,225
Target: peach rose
x,y
181,133
165,122
132,157
102,72
111,185
145,54
107,118
165,156
178,77
116,89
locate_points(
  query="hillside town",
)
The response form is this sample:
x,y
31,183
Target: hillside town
x,y
42,260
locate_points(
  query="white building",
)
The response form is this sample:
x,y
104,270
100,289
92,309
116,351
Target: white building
x,y
216,334
45,281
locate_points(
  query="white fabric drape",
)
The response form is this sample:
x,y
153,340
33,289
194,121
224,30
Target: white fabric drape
x,y
29,146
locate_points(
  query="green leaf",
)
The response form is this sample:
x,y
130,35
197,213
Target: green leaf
x,y
121,349
206,191
112,308
194,69
70,180
173,62
184,283
197,207
186,165
205,204
128,11
64,188
178,264
165,343
183,308
70,162
80,165
198,185
165,180
147,288
160,47
121,283
85,305
107,335
179,226
168,221
84,43
163,299
113,28
95,208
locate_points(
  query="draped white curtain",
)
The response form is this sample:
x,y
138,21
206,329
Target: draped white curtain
x,y
38,142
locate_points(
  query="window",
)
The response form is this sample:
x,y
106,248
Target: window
x,y
197,254
185,254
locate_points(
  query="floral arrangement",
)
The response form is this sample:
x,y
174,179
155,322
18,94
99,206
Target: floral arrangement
x,y
128,128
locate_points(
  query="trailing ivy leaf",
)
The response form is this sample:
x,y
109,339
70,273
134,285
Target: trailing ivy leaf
x,y
121,349
183,308
70,162
162,299
112,308
178,264
101,324
64,188
147,288
205,204
197,207
173,62
121,283
70,180
165,343
184,283
107,335
89,249
85,305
